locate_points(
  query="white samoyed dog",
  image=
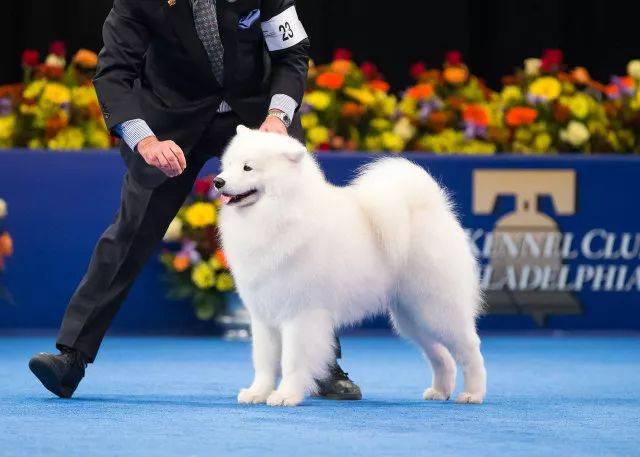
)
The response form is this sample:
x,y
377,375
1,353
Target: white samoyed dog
x,y
309,257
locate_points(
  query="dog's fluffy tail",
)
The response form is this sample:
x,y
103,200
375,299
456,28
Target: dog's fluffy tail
x,y
390,190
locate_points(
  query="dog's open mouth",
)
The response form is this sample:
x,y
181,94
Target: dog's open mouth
x,y
227,199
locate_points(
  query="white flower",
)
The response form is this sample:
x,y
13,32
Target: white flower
x,y
576,134
174,232
3,209
532,66
404,129
633,69
55,61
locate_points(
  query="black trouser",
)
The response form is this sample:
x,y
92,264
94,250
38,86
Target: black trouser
x,y
128,243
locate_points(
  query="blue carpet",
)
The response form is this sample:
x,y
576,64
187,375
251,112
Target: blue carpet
x,y
176,397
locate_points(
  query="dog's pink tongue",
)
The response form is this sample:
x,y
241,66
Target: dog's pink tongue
x,y
224,199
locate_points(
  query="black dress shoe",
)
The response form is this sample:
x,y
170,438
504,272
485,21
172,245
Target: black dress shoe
x,y
61,373
338,386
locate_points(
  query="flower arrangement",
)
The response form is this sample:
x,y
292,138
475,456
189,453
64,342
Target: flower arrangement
x,y
6,249
55,106
549,109
450,110
196,266
348,107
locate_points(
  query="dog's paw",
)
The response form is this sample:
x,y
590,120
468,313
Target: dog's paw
x,y
278,399
433,394
469,398
250,396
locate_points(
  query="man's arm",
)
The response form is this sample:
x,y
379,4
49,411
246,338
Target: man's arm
x,y
288,46
126,39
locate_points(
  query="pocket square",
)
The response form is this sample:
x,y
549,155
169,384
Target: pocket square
x,y
248,20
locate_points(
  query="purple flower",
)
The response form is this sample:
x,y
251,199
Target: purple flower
x,y
472,130
624,88
5,107
189,250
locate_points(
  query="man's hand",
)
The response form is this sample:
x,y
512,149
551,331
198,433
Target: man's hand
x,y
274,125
164,155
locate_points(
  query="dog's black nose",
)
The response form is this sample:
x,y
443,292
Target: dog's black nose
x,y
219,183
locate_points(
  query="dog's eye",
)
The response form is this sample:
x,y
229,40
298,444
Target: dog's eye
x,y
247,167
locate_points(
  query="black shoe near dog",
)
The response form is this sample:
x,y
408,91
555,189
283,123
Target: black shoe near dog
x,y
61,373
338,386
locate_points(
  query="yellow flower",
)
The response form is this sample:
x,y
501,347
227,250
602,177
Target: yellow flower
x,y
309,120
224,282
7,127
35,143
373,143
392,142
380,124
56,94
318,135
546,88
387,103
98,138
82,96
477,147
363,96
34,89
408,106
70,138
200,214
511,95
202,276
576,134
318,99
542,142
579,105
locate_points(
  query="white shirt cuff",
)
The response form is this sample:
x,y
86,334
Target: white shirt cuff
x,y
284,103
133,132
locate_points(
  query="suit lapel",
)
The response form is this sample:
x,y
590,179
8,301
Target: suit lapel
x,y
181,18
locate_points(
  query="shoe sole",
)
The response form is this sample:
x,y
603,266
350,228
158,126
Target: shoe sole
x,y
49,380
349,397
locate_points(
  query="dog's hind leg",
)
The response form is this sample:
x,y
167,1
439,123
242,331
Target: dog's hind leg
x,y
307,352
443,366
465,347
266,363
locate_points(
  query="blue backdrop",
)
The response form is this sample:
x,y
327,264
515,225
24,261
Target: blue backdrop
x,y
59,203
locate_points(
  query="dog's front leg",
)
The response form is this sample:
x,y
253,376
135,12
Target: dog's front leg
x,y
307,352
266,362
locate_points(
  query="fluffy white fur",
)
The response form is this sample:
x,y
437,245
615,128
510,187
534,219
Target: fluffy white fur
x,y
309,257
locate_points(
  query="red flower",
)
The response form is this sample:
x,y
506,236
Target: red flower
x,y
453,58
202,186
417,69
342,54
551,60
58,48
369,70
324,147
30,58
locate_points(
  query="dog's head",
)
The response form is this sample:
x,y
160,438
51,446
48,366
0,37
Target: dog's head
x,y
258,163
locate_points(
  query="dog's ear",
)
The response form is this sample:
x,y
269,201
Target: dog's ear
x,y
242,129
295,152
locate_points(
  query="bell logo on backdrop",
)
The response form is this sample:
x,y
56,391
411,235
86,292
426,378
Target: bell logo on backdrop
x,y
530,265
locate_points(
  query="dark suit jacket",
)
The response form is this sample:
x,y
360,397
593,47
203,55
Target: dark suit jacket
x,y
154,67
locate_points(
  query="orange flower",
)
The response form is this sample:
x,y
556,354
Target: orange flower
x,y
6,245
580,75
352,109
437,121
55,124
378,84
520,115
455,75
181,263
420,91
476,114
220,257
561,113
330,80
86,59
341,66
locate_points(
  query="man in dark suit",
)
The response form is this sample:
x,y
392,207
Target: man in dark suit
x,y
175,78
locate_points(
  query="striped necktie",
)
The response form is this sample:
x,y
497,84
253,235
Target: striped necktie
x,y
206,22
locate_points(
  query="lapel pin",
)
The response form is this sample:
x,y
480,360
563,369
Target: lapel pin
x,y
171,2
